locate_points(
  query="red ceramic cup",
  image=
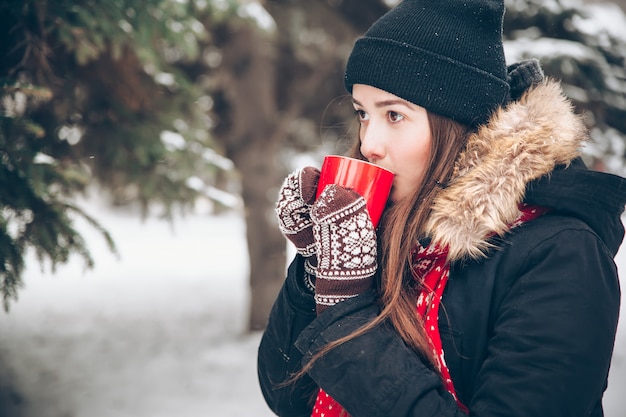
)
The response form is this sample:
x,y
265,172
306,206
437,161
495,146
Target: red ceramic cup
x,y
369,180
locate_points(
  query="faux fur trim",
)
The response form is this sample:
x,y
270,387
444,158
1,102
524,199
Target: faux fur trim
x,y
521,142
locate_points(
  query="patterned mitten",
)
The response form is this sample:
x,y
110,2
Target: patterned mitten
x,y
345,241
293,207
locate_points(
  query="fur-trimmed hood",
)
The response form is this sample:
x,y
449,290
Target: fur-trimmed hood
x,y
521,143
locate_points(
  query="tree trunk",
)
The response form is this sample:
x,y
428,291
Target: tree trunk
x,y
266,245
252,137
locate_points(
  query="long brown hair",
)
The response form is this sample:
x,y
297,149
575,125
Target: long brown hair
x,y
401,226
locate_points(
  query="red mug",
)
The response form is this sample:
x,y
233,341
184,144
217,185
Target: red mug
x,y
369,180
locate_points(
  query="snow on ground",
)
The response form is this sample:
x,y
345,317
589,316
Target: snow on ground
x,y
158,332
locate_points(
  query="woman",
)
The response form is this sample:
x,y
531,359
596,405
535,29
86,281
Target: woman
x,y
489,287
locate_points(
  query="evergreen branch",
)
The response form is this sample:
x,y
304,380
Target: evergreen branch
x,y
95,224
11,265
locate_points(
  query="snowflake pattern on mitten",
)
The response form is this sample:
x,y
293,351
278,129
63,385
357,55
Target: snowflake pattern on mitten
x,y
293,209
345,241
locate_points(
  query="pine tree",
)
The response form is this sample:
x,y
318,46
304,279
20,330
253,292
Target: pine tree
x,y
94,94
584,46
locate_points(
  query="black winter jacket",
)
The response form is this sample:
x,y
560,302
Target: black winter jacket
x,y
527,327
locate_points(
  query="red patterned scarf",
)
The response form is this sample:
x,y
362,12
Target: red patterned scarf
x,y
432,270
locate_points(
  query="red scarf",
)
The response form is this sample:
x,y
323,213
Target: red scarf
x,y
431,270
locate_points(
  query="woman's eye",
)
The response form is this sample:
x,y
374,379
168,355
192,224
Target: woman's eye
x,y
361,115
394,117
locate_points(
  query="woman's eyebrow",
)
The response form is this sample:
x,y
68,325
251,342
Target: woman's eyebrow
x,y
385,103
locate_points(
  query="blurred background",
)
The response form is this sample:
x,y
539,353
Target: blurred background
x,y
142,144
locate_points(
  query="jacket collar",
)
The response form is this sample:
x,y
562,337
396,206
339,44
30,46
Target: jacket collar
x,y
521,142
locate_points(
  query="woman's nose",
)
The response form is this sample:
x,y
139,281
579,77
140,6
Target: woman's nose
x,y
372,144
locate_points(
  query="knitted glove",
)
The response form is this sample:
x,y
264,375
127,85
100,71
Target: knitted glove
x,y
345,241
523,75
294,221
292,209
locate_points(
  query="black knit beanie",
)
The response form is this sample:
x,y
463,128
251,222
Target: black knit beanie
x,y
443,55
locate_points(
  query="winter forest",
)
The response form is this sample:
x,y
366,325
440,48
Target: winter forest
x,y
142,145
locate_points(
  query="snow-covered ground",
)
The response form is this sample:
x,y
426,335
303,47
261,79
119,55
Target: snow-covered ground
x,y
158,332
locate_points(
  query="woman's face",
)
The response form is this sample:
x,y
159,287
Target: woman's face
x,y
394,134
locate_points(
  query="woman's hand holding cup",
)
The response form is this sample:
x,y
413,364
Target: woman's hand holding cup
x,y
345,241
293,209
331,217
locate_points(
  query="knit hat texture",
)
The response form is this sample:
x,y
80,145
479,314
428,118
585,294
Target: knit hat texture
x,y
443,55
